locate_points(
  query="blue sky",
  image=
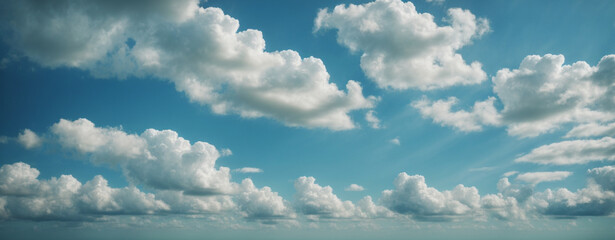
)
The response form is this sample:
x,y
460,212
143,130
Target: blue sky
x,y
141,119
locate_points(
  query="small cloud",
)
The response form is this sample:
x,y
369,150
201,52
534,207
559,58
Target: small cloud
x,y
373,121
439,2
4,139
395,141
508,174
226,152
481,169
538,177
28,139
248,170
354,188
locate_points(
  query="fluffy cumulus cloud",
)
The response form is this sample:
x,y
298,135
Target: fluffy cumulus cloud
x,y
483,113
212,63
262,204
515,201
604,176
413,197
543,94
593,200
24,196
572,152
538,177
29,139
183,176
158,159
502,207
317,202
402,48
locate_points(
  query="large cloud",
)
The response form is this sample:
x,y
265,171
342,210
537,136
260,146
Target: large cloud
x,y
24,196
412,196
589,201
543,94
316,201
403,48
572,152
200,50
182,175
158,159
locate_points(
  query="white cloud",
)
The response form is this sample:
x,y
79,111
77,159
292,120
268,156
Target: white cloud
x,y
595,199
481,169
395,141
405,49
158,159
538,177
96,197
540,96
483,113
18,179
604,176
592,130
211,62
65,198
510,173
354,188
412,196
543,93
572,152
435,1
589,201
28,139
373,121
262,204
248,170
4,139
191,204
226,152
316,201
502,207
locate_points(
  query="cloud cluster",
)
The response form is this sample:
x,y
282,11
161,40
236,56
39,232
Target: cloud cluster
x,y
402,48
183,176
592,200
212,63
540,96
24,196
317,202
412,196
158,159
